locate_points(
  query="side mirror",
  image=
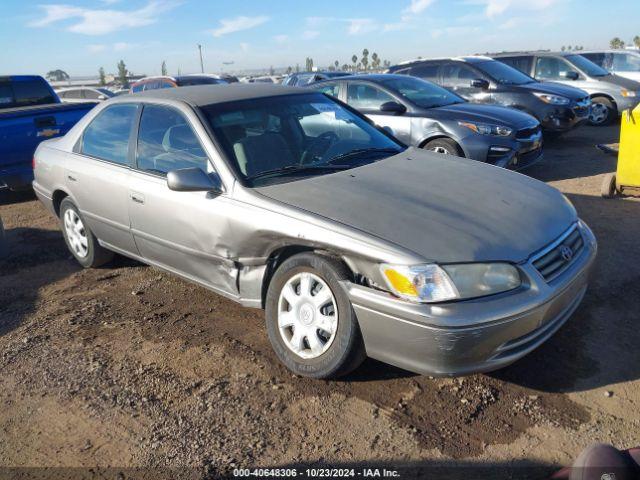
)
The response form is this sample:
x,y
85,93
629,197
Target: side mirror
x,y
572,75
393,107
102,97
193,180
480,83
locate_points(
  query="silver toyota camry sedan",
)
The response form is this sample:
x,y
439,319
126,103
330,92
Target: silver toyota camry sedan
x,y
353,243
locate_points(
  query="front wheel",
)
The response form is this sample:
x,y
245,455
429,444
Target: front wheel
x,y
603,111
609,188
310,321
445,146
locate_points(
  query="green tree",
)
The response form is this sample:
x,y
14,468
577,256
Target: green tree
x,y
636,41
57,75
345,67
354,60
289,70
309,64
271,71
103,78
616,43
365,59
123,74
386,64
163,68
297,68
563,48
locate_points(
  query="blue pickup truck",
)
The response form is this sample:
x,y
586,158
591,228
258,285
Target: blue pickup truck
x,y
30,112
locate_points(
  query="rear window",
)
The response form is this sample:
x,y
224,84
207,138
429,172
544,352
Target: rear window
x,y
25,93
186,82
32,92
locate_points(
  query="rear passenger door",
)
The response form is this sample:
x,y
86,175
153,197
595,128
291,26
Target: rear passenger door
x,y
179,231
97,175
368,99
457,77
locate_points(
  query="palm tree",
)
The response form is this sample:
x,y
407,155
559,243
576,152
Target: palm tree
x,y
354,59
375,61
365,58
337,64
57,75
616,43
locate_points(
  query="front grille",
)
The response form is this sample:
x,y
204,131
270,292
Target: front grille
x,y
526,158
556,258
525,133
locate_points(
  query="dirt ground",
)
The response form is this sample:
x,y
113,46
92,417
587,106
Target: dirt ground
x,y
126,367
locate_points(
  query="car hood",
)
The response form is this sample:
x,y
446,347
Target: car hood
x,y
443,208
556,89
483,113
619,81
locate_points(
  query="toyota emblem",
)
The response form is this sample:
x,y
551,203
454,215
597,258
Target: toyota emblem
x,y
566,253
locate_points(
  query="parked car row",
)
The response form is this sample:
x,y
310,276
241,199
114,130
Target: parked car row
x,y
354,243
427,116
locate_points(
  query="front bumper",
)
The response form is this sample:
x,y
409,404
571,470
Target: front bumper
x,y
506,152
479,335
562,119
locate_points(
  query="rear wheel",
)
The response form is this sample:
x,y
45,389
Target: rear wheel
x,y
311,324
609,188
446,146
603,111
82,244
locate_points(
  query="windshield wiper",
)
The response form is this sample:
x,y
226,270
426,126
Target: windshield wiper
x,y
361,151
293,169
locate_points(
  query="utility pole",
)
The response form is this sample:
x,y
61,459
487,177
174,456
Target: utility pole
x,y
201,64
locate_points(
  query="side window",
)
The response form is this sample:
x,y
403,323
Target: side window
x,y
166,142
427,71
361,95
519,63
91,94
137,88
73,94
107,136
551,68
458,75
332,89
597,58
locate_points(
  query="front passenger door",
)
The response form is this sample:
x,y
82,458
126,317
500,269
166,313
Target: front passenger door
x,y
457,77
180,231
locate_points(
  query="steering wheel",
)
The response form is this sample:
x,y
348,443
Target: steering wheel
x,y
319,147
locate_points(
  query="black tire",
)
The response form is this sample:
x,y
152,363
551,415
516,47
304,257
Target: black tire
x,y
346,352
96,254
609,188
610,109
447,144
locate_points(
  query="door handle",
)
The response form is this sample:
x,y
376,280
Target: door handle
x,y
138,198
71,178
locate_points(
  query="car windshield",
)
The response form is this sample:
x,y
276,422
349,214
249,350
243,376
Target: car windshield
x,y
421,93
587,66
503,73
283,138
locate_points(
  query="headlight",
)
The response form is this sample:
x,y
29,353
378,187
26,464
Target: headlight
x,y
438,283
552,99
485,129
628,93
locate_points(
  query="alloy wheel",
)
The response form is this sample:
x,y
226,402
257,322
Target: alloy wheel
x,y
599,113
307,315
76,233
440,149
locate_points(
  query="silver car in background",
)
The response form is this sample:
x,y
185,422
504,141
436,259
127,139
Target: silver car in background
x,y
355,245
610,94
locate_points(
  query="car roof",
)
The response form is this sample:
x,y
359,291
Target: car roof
x,y
371,77
202,95
539,53
465,58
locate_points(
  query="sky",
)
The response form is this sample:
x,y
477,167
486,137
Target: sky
x,y
79,37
